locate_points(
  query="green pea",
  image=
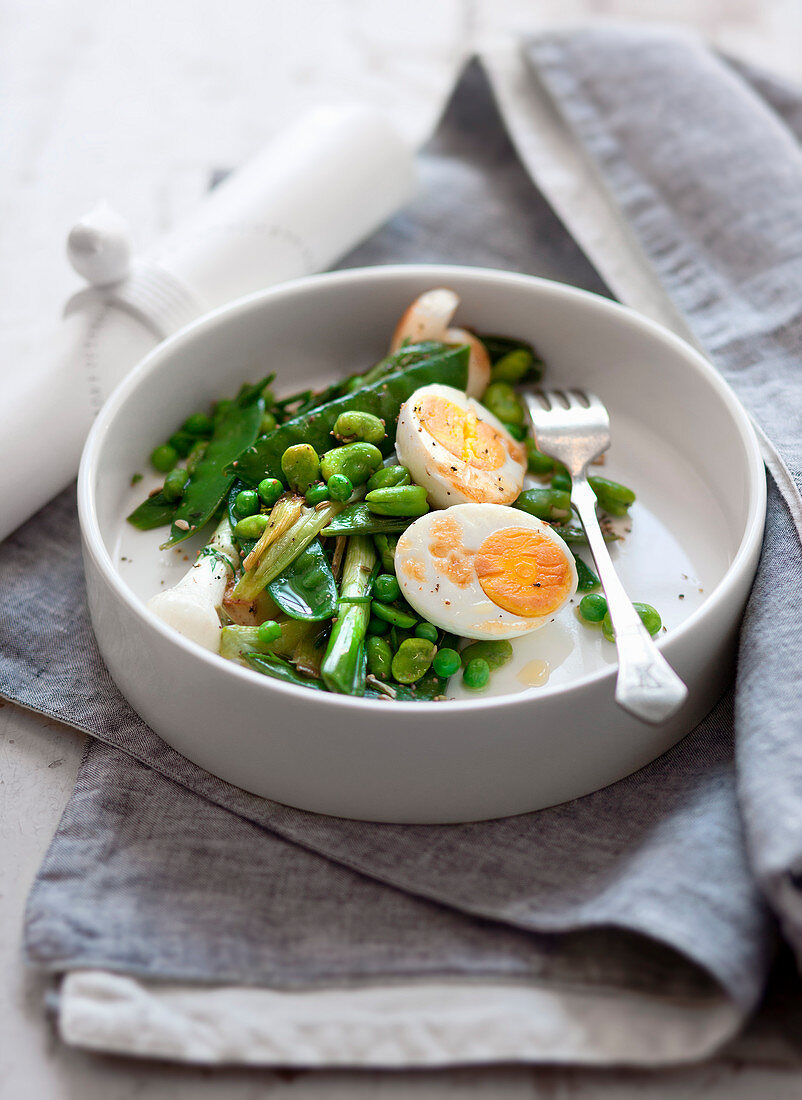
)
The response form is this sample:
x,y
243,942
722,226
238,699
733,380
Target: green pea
x,y
612,497
183,442
198,424
268,396
386,588
380,657
476,674
173,488
553,505
378,626
267,423
413,660
164,458
513,367
355,425
270,489
268,632
356,461
250,527
537,463
316,494
593,608
495,654
398,500
301,466
650,617
340,487
561,482
393,615
428,631
446,662
246,503
517,431
502,401
387,476
385,547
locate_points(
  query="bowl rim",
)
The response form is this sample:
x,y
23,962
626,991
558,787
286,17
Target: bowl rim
x,y
748,548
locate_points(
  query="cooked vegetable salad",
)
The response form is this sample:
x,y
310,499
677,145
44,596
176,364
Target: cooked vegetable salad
x,y
376,538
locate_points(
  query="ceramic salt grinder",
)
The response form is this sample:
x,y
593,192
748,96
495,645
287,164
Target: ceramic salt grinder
x,y
321,186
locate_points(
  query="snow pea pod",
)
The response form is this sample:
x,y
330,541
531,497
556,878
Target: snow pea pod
x,y
383,399
574,535
155,511
306,590
587,581
236,427
429,687
357,519
281,670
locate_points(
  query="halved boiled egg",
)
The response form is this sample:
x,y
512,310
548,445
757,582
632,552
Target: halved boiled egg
x,y
457,450
484,571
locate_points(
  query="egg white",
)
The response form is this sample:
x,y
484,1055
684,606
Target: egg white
x,y
464,608
448,478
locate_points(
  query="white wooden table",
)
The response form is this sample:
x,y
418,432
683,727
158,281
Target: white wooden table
x,y
137,103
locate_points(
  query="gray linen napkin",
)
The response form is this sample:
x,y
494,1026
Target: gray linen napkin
x,y
640,891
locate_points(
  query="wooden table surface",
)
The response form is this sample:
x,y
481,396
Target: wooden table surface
x,y
138,104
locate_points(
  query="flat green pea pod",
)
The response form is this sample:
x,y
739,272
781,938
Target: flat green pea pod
x,y
235,429
398,500
574,535
380,657
394,615
429,687
155,511
613,498
383,398
388,476
553,505
357,519
495,653
281,670
354,425
306,589
587,580
513,367
413,660
356,461
301,466
502,400
385,547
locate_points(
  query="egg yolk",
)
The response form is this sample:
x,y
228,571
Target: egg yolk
x,y
462,433
523,572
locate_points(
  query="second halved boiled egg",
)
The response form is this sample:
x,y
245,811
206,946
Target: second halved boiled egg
x,y
457,450
484,571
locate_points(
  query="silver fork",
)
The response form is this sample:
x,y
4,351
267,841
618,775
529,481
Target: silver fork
x,y
574,428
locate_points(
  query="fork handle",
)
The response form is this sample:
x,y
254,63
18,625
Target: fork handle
x,y
647,686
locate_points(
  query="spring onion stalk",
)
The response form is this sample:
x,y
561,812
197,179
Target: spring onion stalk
x,y
282,541
297,641
343,668
191,606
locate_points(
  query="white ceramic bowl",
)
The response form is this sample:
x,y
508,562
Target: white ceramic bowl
x,y
679,436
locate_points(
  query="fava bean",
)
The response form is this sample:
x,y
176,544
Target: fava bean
x,y
393,615
388,476
513,367
380,656
537,463
561,482
398,500
553,505
650,617
356,461
495,654
378,626
502,401
413,660
354,425
301,466
251,527
428,631
612,497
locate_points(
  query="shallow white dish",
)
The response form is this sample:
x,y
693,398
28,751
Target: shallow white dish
x,y
680,438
